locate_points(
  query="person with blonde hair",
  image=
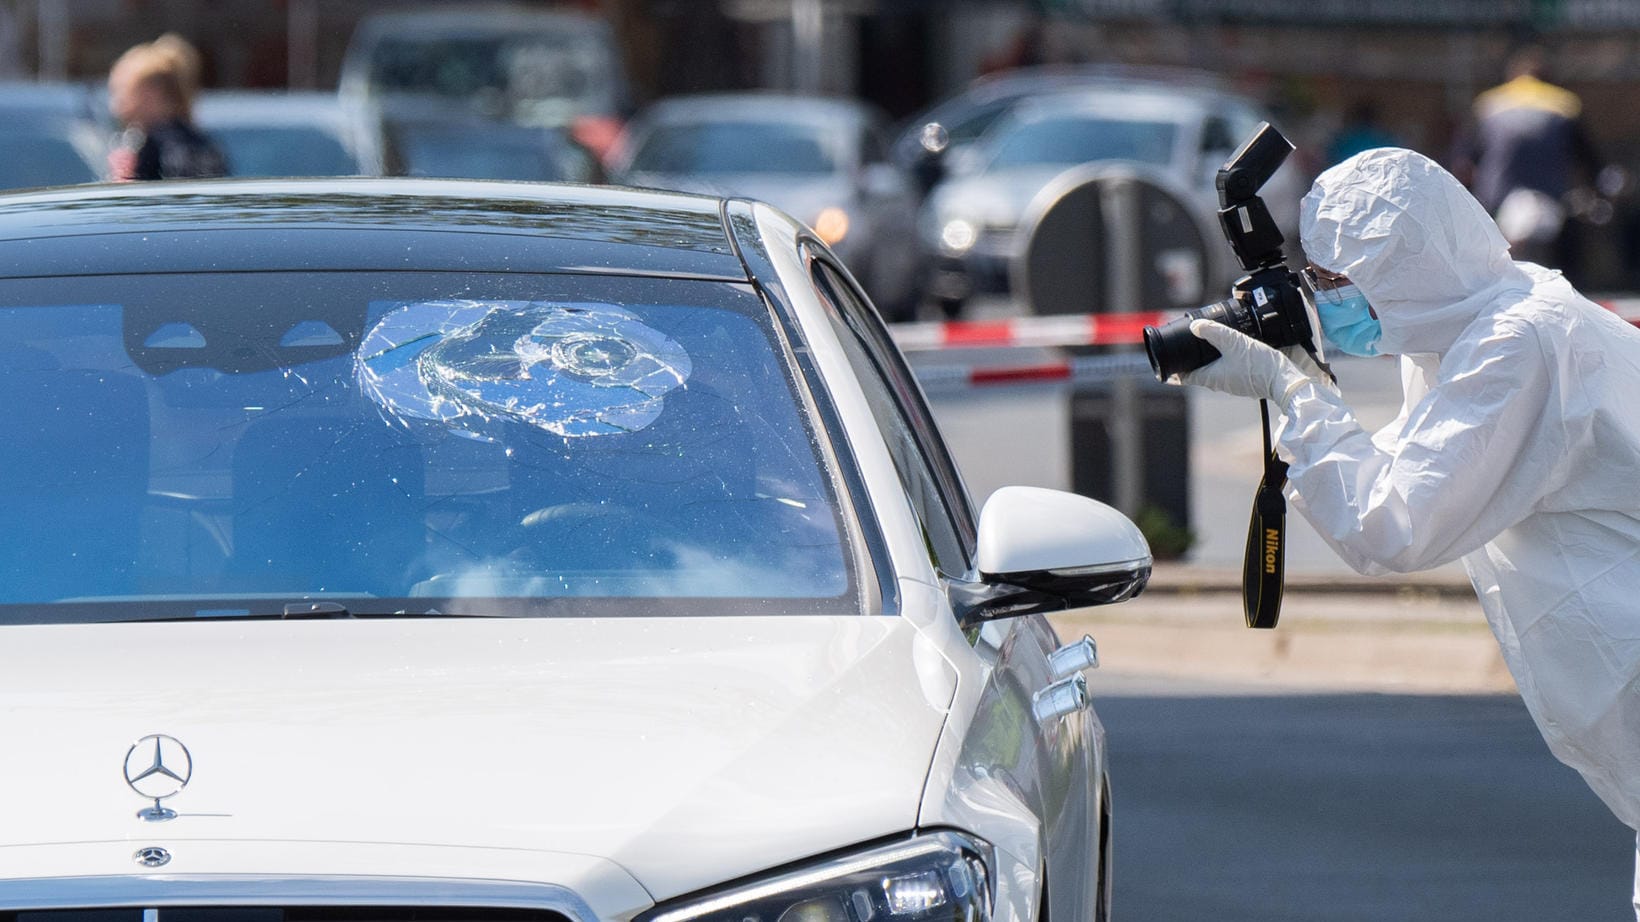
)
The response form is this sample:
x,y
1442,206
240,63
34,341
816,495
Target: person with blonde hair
x,y
185,60
150,91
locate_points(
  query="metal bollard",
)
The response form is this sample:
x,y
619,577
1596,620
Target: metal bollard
x,y
1121,204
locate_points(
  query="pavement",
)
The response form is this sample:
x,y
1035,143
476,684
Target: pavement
x,y
1423,634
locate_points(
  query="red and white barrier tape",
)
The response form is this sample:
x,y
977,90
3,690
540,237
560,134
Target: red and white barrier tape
x,y
1065,330
1088,330
1087,369
1081,329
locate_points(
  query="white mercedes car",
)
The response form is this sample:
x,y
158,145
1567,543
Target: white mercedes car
x,y
389,550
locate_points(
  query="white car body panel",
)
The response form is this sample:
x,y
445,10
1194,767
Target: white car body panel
x,y
895,519
82,874
370,731
593,765
972,785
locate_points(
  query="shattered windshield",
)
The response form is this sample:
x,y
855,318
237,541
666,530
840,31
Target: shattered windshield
x,y
405,443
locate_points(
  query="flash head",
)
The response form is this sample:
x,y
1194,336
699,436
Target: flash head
x,y
1252,165
1248,226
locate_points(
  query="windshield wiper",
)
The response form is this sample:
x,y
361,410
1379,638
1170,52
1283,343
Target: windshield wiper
x,y
305,610
296,611
322,610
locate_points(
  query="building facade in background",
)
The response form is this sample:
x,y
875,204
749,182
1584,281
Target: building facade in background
x,y
1417,63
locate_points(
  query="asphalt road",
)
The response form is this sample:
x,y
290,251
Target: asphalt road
x,y
1351,807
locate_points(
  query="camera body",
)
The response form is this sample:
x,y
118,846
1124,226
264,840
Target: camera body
x,y
1266,303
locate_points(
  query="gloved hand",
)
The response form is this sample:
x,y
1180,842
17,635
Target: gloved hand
x,y
1247,367
1307,364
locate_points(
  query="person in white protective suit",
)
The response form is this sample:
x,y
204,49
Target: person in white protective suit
x,y
1517,449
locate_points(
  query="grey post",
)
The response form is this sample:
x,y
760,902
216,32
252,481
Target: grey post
x,y
1124,233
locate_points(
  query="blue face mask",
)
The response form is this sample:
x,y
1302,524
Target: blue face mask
x,y
1347,322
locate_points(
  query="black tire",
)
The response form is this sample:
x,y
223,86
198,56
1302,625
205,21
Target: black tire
x,y
1101,897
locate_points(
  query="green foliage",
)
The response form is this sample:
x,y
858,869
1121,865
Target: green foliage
x,y
1168,539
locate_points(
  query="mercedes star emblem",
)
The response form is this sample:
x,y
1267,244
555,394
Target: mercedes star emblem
x,y
156,767
152,857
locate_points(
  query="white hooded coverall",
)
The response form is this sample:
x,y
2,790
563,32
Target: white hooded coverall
x,y
1517,449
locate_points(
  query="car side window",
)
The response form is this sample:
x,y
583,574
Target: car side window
x,y
873,146
925,467
1217,136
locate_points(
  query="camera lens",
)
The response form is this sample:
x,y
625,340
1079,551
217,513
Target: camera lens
x,y
1174,350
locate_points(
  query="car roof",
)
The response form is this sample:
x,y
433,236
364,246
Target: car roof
x,y
364,224
47,100
476,19
1145,104
758,106
1030,80
239,107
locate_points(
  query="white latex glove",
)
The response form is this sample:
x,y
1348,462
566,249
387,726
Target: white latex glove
x,y
1308,365
1246,367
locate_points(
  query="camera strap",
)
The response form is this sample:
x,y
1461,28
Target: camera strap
x,y
1264,568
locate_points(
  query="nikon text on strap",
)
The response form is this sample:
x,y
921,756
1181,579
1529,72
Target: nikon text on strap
x,y
1264,569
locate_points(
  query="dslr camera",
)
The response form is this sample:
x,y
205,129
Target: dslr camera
x,y
1266,303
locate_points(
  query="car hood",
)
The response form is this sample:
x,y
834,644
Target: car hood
x,y
741,743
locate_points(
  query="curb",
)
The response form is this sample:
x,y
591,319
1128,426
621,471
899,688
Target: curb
x,y
1189,579
1336,635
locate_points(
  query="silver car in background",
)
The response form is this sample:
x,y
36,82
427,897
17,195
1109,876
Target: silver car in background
x,y
824,161
52,135
287,134
970,224
504,62
476,149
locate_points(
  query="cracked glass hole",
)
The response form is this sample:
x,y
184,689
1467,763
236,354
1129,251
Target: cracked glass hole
x,y
573,370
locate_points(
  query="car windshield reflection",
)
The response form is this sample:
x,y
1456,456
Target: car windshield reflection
x,y
419,443
282,151
736,147
1072,140
30,158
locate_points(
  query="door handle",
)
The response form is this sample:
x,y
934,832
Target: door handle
x,y
1066,696
1072,658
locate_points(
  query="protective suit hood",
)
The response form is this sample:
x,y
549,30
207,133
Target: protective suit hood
x,y
1517,450
1428,257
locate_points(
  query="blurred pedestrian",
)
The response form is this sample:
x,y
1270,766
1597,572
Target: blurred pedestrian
x,y
1361,131
150,91
1521,155
185,60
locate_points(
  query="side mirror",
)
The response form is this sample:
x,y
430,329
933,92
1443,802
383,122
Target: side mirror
x,y
1046,550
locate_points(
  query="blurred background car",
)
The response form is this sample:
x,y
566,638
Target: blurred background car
x,y
970,225
524,65
478,149
52,136
287,134
966,116
824,161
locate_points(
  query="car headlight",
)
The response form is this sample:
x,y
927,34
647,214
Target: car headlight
x,y
958,236
938,877
832,225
